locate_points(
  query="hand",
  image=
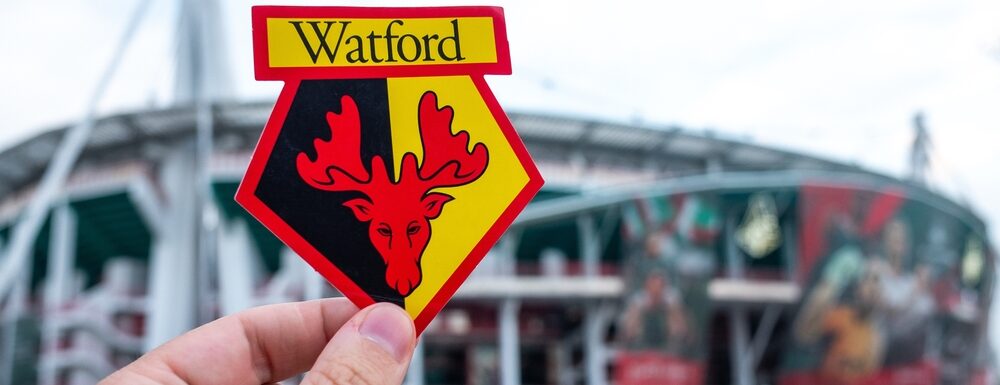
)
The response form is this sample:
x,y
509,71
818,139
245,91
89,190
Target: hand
x,y
264,345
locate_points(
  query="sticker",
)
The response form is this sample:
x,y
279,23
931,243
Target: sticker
x,y
387,163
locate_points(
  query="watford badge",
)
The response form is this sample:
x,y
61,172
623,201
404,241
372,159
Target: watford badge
x,y
387,163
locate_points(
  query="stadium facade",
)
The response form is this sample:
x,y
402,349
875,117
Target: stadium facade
x,y
746,239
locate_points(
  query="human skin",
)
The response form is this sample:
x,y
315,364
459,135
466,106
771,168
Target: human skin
x,y
330,338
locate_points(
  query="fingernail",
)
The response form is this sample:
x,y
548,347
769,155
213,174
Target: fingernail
x,y
390,328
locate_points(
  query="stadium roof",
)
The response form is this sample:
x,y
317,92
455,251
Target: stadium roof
x,y
113,187
561,144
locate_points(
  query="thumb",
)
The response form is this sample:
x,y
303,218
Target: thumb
x,y
373,348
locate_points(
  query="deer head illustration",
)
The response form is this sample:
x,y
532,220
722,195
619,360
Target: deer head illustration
x,y
398,212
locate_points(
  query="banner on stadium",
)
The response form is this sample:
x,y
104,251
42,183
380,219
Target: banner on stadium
x,y
896,291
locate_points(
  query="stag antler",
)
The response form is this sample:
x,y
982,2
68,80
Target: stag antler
x,y
338,165
447,162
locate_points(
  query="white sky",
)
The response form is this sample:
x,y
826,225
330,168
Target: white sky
x,y
836,79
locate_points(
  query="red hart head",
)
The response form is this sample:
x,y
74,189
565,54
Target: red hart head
x,y
398,212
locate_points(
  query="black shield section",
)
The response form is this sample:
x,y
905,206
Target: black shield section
x,y
317,215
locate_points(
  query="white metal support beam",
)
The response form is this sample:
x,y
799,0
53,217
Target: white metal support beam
x,y
739,348
510,349
714,165
763,334
6,359
507,251
237,267
595,324
202,64
173,296
200,17
288,280
790,251
315,284
143,196
611,215
59,279
590,244
16,304
62,257
561,354
415,373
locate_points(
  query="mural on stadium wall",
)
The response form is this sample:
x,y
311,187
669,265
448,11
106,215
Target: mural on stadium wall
x,y
670,245
895,292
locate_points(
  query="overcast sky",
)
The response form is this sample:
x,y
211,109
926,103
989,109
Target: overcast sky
x,y
839,80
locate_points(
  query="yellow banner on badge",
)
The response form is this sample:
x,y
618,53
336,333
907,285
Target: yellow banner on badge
x,y
304,42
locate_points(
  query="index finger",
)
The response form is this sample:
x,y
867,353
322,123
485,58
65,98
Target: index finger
x,y
259,345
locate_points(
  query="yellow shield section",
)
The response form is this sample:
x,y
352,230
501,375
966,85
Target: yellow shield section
x,y
465,220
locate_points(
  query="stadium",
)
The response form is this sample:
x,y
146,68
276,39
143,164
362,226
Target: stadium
x,y
652,255
547,296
